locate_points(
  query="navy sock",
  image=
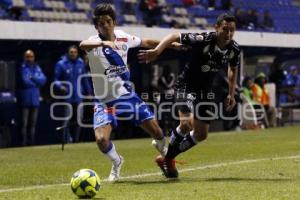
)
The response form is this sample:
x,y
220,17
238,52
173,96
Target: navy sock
x,y
187,143
175,149
175,138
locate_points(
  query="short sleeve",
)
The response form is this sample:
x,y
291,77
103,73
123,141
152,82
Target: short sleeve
x,y
133,41
235,56
235,62
192,38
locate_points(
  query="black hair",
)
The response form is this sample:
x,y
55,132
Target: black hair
x,y
245,81
228,17
103,9
72,47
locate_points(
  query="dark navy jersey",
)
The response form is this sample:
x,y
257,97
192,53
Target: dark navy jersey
x,y
206,60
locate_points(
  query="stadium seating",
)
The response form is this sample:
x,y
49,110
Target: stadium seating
x,y
80,11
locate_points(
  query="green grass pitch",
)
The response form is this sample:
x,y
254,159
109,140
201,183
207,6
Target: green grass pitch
x,y
250,165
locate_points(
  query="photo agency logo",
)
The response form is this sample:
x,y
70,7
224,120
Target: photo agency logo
x,y
160,104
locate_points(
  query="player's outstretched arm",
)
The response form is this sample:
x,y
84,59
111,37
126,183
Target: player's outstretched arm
x,y
151,44
91,44
232,76
150,55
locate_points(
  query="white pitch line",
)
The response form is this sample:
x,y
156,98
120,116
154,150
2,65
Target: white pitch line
x,y
214,166
159,173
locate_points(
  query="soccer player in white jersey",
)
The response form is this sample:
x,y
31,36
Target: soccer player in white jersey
x,y
107,53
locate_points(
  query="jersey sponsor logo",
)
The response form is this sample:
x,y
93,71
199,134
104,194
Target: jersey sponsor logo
x,y
225,59
199,38
211,66
214,70
115,71
193,37
124,47
184,37
205,68
231,55
122,39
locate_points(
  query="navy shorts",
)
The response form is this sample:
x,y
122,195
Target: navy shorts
x,y
201,104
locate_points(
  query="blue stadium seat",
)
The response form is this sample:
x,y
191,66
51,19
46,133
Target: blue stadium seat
x,y
175,2
285,15
70,5
36,4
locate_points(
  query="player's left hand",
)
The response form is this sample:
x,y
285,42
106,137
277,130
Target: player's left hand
x,y
230,103
146,56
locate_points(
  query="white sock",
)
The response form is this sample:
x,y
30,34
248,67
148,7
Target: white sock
x,y
112,154
161,144
193,137
178,130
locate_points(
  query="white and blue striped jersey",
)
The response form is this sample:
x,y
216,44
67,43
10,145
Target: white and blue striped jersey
x,y
109,71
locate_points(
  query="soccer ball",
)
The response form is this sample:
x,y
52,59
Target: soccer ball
x,y
85,183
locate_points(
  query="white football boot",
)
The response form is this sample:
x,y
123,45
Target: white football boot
x,y
115,171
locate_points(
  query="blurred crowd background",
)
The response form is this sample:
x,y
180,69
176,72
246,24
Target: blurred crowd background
x,y
268,15
269,79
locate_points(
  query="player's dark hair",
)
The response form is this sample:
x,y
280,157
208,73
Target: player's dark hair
x,y
227,17
103,9
72,47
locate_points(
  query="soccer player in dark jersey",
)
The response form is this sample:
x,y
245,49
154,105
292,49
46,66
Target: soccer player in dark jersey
x,y
210,52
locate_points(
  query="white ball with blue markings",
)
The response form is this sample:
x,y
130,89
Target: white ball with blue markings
x,y
85,183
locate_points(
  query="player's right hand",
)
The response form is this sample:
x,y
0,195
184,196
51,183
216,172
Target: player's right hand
x,y
230,103
147,56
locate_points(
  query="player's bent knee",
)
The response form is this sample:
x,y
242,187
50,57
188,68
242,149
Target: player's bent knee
x,y
101,139
200,135
102,143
